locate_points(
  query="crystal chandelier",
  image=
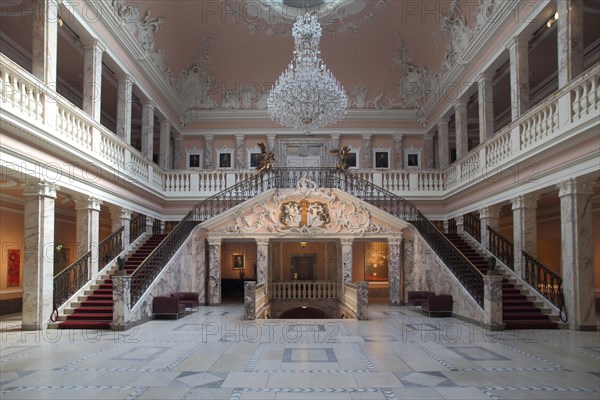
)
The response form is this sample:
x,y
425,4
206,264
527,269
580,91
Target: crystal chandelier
x,y
307,95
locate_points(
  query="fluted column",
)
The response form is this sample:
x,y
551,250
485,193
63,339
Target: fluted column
x,y
346,260
486,106
92,77
148,129
367,153
488,216
519,76
88,230
570,40
38,267
165,145
124,99
240,151
577,251
209,149
428,162
262,258
399,151
121,217
45,41
443,146
178,158
214,270
394,270
462,134
525,229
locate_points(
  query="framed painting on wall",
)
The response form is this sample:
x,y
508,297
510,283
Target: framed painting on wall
x,y
238,261
13,272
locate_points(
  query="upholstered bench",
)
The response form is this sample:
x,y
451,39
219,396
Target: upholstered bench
x,y
167,305
189,299
418,297
437,303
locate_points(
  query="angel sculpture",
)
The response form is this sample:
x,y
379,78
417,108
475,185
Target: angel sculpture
x,y
343,156
266,158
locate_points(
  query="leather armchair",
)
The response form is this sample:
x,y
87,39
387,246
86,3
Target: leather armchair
x,y
167,305
440,303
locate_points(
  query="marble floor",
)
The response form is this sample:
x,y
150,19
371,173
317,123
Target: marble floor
x,y
213,354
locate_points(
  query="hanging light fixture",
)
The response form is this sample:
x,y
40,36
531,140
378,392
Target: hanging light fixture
x,y
307,95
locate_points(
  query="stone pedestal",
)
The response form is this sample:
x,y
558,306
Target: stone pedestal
x,y
399,151
346,245
488,216
486,106
443,146
214,271
88,230
462,125
92,77
394,266
38,268
164,157
209,149
577,252
148,129
367,152
492,302
525,229
240,151
570,40
519,76
121,300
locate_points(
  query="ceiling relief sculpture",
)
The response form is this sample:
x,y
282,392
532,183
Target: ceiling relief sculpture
x,y
305,211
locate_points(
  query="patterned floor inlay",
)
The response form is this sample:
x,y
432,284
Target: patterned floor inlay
x,y
424,379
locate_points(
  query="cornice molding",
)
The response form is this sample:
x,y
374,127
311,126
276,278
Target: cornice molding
x,y
289,132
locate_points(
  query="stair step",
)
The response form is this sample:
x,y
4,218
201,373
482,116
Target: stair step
x,y
97,303
525,315
524,324
93,309
84,325
90,316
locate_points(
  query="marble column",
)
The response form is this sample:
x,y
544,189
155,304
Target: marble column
x,y
45,41
577,251
346,260
200,253
408,262
519,76
165,145
262,257
209,149
394,264
488,216
525,229
92,77
570,40
334,143
124,102
38,268
121,217
88,230
443,146
214,270
399,151
121,300
240,151
367,152
428,161
148,129
492,302
460,223
178,158
462,134
485,94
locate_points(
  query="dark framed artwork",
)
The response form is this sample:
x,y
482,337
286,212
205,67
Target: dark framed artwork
x,y
224,160
238,261
352,160
194,160
412,160
382,159
254,160
13,272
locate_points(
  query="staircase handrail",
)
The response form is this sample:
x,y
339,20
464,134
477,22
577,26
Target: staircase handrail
x,y
110,248
546,282
137,226
501,247
472,225
68,281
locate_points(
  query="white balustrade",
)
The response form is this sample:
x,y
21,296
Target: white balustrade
x,y
177,181
585,97
112,149
539,124
498,148
74,129
430,181
156,175
20,92
304,290
138,167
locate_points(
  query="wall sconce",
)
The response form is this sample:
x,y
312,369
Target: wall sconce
x,y
303,244
60,21
552,20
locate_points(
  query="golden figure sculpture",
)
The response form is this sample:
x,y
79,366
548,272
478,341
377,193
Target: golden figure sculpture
x,y
266,158
343,155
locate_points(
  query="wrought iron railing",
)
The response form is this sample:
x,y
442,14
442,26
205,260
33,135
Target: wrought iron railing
x,y
110,248
68,281
501,247
452,226
545,281
472,225
137,226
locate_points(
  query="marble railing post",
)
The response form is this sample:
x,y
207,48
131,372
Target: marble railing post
x,y
485,95
240,151
164,157
92,77
178,158
443,146
88,230
346,260
398,151
214,270
38,267
367,152
148,129
250,300
488,216
124,99
577,252
394,263
570,40
492,302
362,301
462,123
519,76
121,300
525,229
428,161
209,149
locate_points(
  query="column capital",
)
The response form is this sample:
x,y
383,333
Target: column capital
x,y
516,41
489,212
262,242
574,186
398,136
117,212
214,241
42,188
90,43
87,203
484,77
271,135
166,124
429,135
240,136
367,135
460,105
524,201
394,240
178,138
346,241
443,122
124,77
149,104
209,137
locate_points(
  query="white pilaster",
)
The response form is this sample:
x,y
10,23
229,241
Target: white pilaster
x,y
214,270
121,217
367,152
443,146
148,129
525,229
45,41
462,124
519,76
488,216
92,77
88,230
38,268
577,252
486,106
394,270
165,145
346,260
178,158
262,258
209,149
428,161
399,151
570,40
124,99
334,143
240,151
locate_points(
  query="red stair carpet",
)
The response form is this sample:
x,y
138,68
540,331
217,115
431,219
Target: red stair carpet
x,y
517,311
96,309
